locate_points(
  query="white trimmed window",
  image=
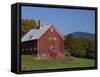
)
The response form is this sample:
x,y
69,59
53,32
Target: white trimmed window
x,y
54,39
34,48
50,39
31,49
44,55
23,49
26,49
51,47
51,29
60,54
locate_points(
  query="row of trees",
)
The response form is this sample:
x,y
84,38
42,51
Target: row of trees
x,y
26,25
80,47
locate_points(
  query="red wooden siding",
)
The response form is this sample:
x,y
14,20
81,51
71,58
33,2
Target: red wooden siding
x,y
57,52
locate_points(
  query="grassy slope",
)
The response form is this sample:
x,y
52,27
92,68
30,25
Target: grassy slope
x,y
29,63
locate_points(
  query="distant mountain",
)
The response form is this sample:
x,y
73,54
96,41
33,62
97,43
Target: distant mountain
x,y
85,35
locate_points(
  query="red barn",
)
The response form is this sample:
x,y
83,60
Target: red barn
x,y
45,42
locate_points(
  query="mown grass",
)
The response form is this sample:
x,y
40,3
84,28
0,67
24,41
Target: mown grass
x,y
28,62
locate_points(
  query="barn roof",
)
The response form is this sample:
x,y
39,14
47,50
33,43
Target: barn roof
x,y
34,34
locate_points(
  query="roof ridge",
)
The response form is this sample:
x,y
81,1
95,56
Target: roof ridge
x,y
37,33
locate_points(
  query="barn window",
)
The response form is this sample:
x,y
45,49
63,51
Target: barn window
x,y
26,49
34,48
23,49
44,55
54,39
51,29
51,48
31,49
60,54
50,39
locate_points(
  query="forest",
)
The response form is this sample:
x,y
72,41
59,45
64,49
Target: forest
x,y
80,47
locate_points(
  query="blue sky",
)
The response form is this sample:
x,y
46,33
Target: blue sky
x,y
65,20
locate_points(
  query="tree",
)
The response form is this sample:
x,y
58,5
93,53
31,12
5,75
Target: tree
x,y
26,25
80,47
67,42
91,49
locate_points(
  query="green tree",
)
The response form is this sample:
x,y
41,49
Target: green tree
x,y
68,42
26,25
91,49
80,47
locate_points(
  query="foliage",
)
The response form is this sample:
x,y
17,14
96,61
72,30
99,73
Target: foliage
x,y
80,47
26,25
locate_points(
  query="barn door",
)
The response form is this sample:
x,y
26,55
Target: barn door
x,y
52,56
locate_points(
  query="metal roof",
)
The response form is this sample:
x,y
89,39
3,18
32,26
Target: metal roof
x,y
34,34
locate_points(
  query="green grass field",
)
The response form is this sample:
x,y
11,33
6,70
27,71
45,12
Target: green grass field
x,y
29,63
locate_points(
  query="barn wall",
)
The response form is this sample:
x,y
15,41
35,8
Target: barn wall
x,y
29,47
45,44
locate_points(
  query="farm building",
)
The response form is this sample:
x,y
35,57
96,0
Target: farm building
x,y
44,42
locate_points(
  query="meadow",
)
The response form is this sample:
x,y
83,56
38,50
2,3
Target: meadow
x,y
28,62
